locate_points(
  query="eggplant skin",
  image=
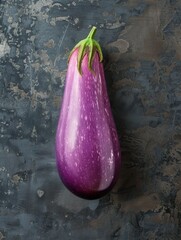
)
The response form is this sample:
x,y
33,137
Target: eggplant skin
x,y
87,147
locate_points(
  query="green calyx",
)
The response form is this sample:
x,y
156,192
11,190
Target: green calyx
x,y
87,45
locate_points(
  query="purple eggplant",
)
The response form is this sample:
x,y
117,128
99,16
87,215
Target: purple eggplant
x,y
87,146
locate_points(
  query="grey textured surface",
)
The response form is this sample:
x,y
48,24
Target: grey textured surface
x,y
141,41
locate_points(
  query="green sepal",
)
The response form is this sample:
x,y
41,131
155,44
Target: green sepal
x,y
91,52
98,47
81,55
87,45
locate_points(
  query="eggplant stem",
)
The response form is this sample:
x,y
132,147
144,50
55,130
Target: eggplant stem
x,y
90,45
92,32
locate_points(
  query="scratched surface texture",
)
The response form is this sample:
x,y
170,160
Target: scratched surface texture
x,y
141,41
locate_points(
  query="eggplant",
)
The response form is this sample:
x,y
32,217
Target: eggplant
x,y
87,147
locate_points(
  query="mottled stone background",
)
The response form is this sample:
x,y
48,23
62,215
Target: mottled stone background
x,y
141,41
